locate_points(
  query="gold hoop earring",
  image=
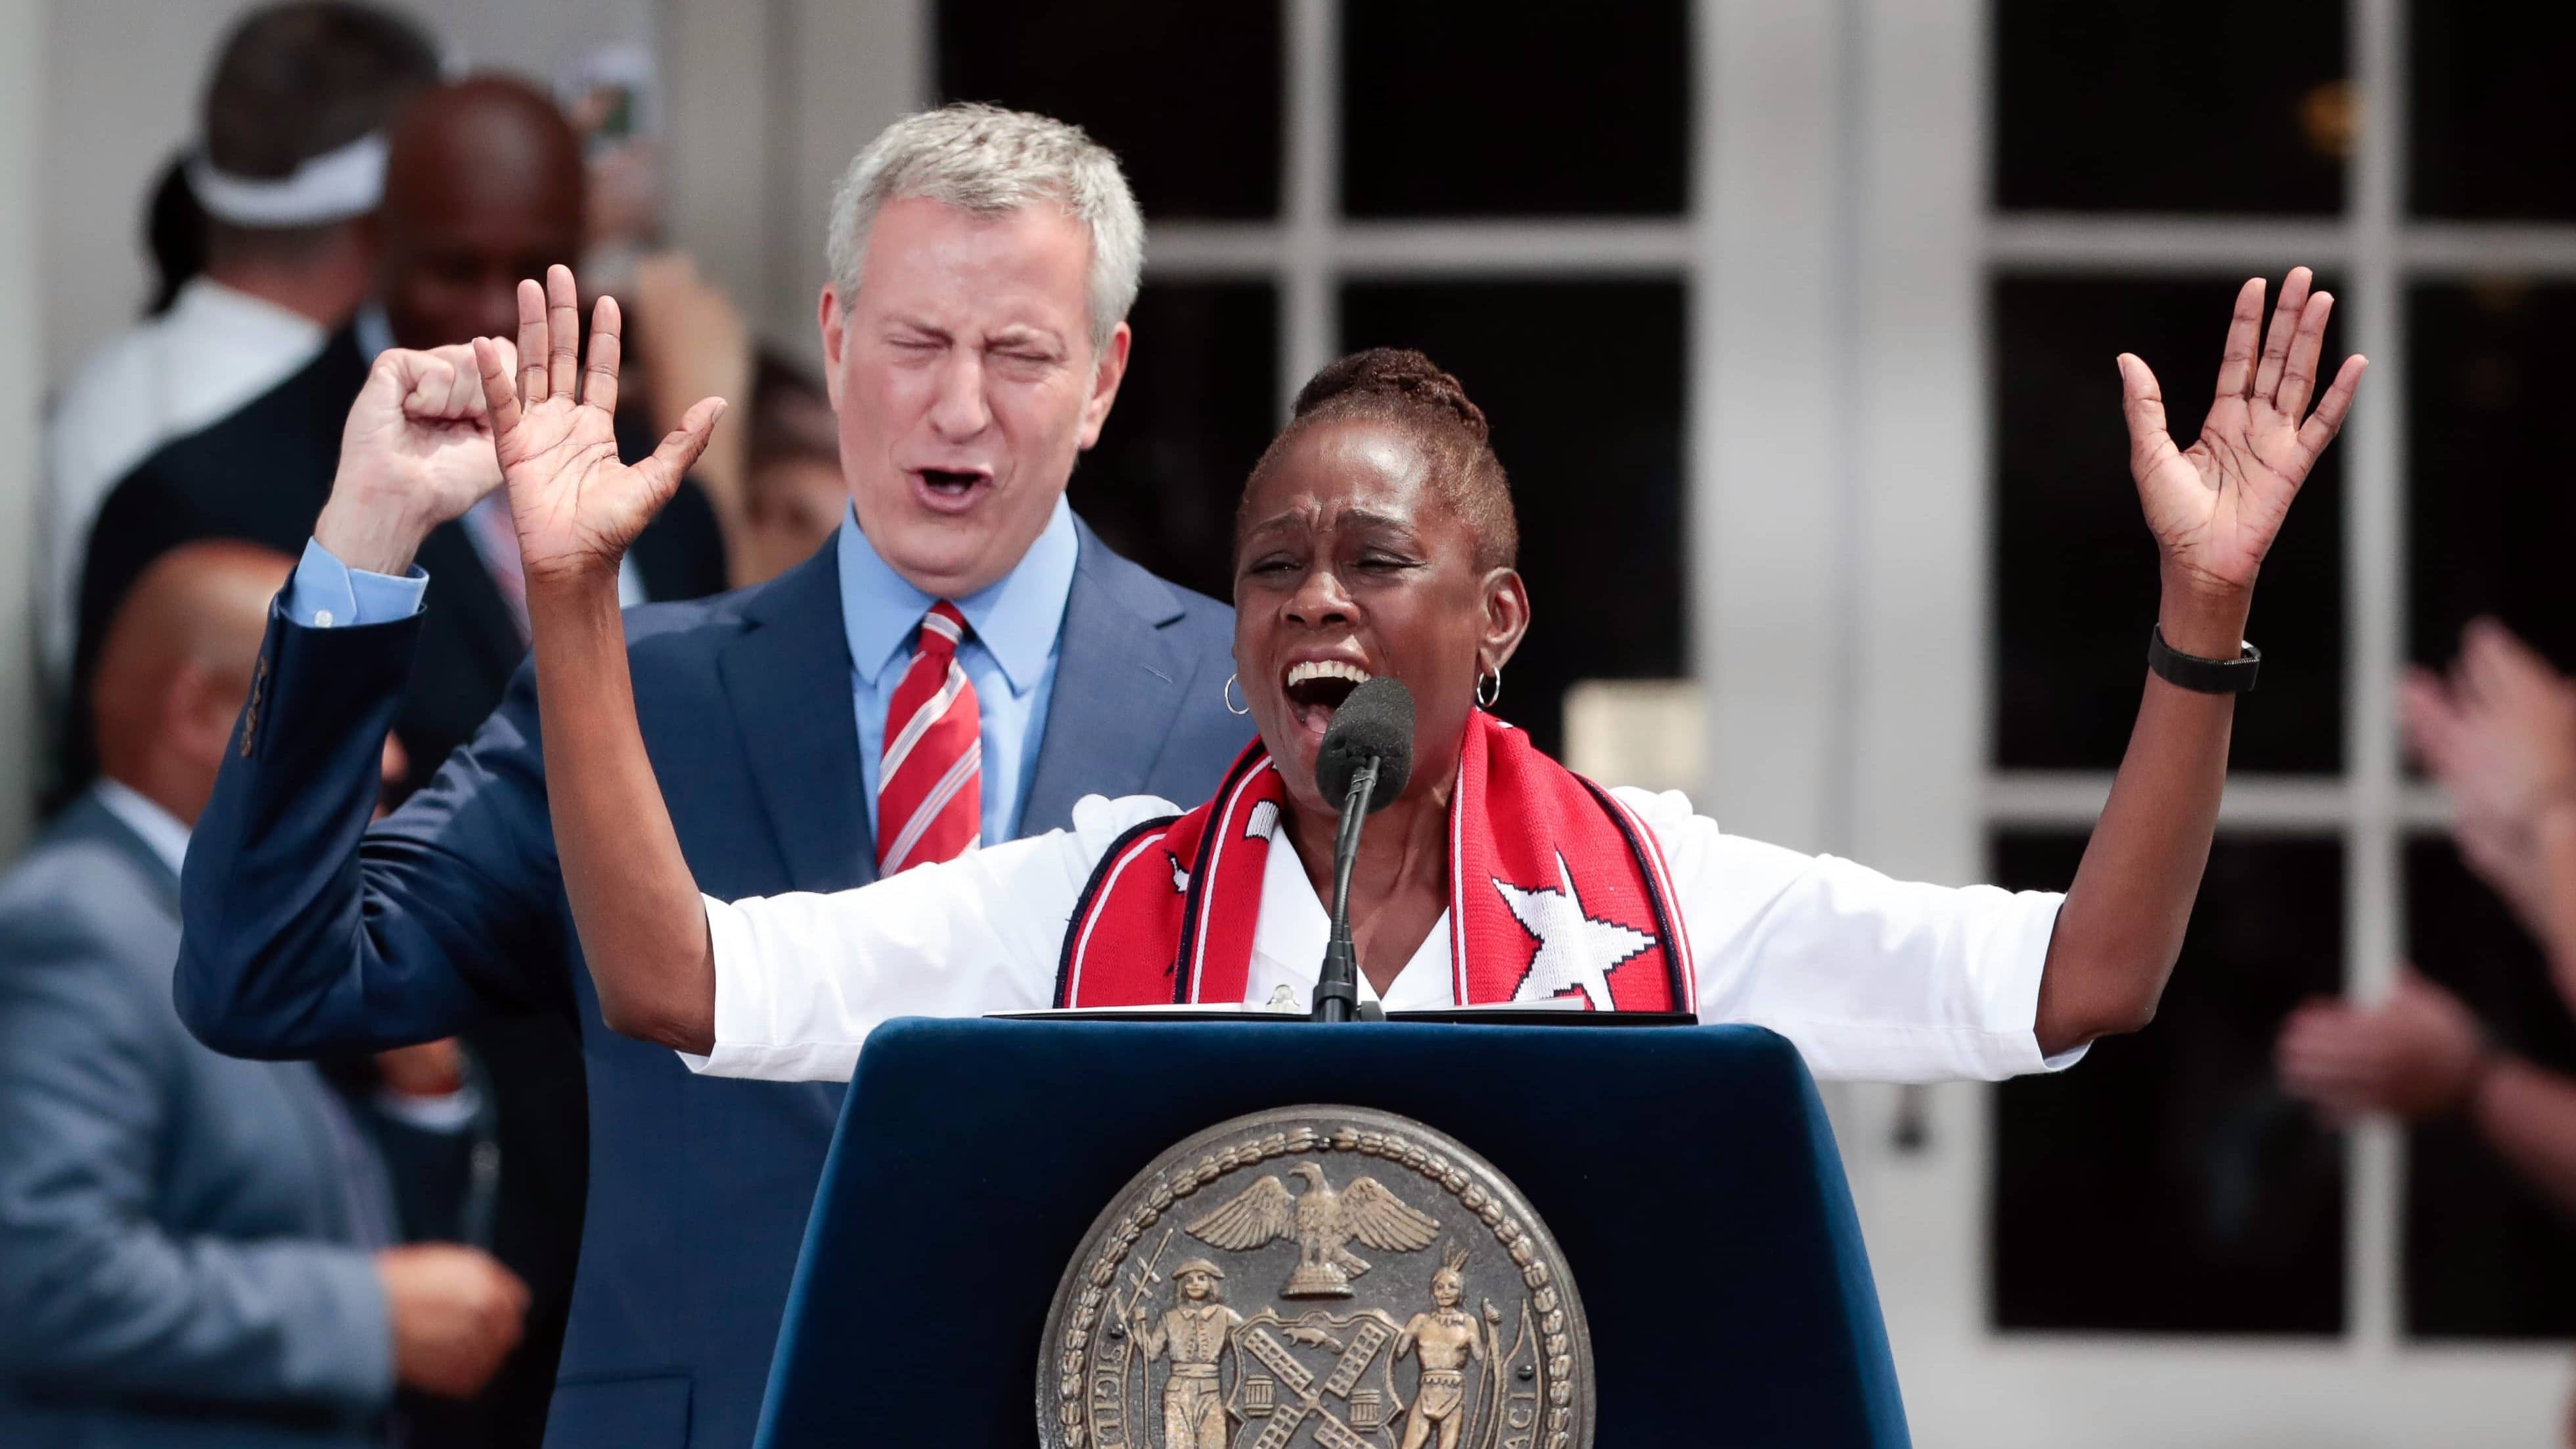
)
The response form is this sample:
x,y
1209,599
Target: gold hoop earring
x,y
1227,694
1484,698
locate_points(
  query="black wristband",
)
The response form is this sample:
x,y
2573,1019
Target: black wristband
x,y
2202,676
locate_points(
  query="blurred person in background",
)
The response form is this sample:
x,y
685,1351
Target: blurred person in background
x,y
193,1249
774,479
278,196
483,183
793,494
174,232
2499,733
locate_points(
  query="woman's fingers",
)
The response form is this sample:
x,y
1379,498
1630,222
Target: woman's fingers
x,y
2142,402
599,379
532,343
2327,420
671,461
2236,364
2287,315
2299,364
494,359
563,332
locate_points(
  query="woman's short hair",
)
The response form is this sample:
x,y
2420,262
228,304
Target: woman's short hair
x,y
1400,385
991,162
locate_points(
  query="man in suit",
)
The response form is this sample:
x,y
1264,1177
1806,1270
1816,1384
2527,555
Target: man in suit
x,y
483,185
193,1250
963,660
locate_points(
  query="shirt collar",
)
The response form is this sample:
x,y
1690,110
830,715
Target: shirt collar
x,y
375,332
1015,618
205,302
161,830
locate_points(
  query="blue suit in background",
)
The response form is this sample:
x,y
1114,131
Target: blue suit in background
x,y
182,1259
309,932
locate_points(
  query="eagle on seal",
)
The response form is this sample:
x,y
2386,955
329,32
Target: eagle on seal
x,y
1322,1220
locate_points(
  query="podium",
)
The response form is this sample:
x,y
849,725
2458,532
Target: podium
x,y
1688,1174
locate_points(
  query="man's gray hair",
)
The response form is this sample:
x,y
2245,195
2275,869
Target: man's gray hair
x,y
990,161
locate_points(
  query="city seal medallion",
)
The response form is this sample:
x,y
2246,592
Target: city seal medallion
x,y
1334,1277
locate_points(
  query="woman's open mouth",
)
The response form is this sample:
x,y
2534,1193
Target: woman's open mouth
x,y
1316,687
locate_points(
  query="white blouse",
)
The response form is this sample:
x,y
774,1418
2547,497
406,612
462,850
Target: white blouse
x,y
1872,978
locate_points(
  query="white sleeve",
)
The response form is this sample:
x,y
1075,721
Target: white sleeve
x,y
1874,979
802,979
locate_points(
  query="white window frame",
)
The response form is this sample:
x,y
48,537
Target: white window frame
x,y
1965,1382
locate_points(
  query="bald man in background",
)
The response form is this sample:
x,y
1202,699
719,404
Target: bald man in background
x,y
483,186
193,1249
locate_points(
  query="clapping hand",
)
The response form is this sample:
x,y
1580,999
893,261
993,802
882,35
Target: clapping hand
x,y
415,453
2500,734
2216,506
2416,1055
577,505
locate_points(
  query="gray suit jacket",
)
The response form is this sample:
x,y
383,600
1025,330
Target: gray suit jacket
x,y
177,1242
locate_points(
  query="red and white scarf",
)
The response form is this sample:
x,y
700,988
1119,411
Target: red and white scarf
x,y
1555,889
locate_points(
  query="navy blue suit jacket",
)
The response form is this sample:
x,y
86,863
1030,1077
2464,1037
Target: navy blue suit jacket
x,y
307,931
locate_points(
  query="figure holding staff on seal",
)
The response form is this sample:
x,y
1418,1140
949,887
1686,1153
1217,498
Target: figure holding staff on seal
x,y
1194,1331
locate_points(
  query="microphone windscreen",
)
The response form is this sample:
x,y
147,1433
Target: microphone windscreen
x,y
1375,722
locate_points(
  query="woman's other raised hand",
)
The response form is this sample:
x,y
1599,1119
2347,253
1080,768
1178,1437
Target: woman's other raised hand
x,y
2216,506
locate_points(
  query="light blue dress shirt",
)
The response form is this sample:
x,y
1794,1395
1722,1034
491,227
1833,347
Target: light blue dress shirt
x,y
1010,656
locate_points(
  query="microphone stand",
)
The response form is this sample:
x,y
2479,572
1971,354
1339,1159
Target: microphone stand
x,y
1337,991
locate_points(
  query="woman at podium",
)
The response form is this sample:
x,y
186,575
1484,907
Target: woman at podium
x,y
1376,538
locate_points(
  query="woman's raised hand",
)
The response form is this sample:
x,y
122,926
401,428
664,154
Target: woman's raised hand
x,y
577,505
2216,506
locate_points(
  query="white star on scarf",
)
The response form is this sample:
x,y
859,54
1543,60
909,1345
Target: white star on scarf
x,y
1574,950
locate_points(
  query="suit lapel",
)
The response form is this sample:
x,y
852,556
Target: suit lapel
x,y
803,741
1117,688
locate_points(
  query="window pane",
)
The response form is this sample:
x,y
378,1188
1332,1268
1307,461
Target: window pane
x,y
2076,584
2494,109
2164,1183
2491,497
1193,415
1188,95
1460,108
1594,455
2184,105
2486,1256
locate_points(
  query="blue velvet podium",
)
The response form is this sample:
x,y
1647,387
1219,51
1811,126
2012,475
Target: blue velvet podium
x,y
1688,1173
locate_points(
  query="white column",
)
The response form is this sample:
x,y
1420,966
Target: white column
x,y
769,101
1309,327
2375,603
1766,475
22,385
717,145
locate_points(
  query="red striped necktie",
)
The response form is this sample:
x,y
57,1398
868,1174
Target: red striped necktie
x,y
930,784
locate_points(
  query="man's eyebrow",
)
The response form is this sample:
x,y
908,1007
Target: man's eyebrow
x,y
1023,332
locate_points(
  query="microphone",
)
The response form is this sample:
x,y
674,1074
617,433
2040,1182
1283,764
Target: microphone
x,y
1366,757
